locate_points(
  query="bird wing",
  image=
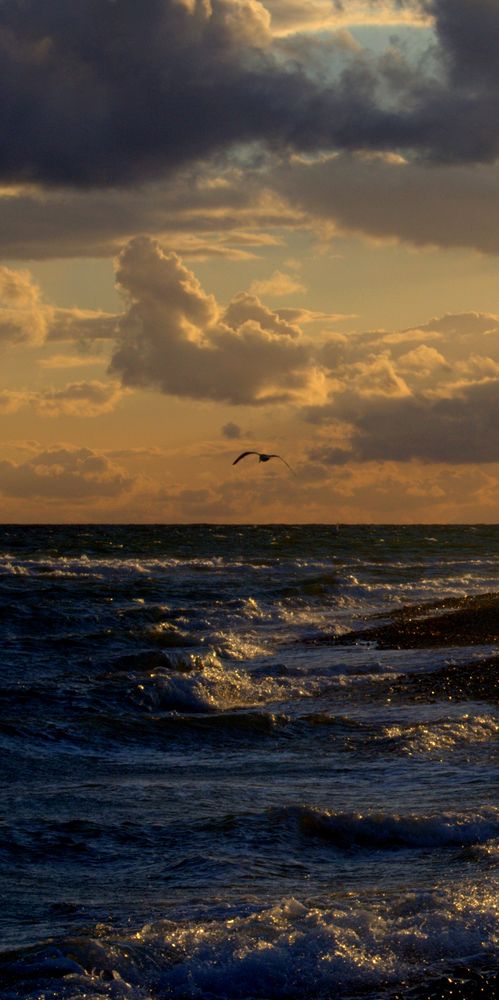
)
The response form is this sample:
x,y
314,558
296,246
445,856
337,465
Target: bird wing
x,y
243,455
285,463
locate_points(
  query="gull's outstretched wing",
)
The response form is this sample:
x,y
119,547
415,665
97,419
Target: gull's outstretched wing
x,y
243,455
285,463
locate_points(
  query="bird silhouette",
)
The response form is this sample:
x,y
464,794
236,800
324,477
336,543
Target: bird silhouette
x,y
262,457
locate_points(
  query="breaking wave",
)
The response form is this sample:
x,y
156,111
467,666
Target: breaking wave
x,y
290,949
379,831
443,735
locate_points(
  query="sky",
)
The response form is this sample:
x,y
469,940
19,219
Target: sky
x,y
231,225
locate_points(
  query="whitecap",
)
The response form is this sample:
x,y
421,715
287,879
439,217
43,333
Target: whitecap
x,y
293,948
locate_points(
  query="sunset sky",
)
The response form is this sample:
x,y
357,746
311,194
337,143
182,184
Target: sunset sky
x,y
249,224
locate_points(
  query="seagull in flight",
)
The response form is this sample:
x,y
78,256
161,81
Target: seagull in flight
x,y
262,458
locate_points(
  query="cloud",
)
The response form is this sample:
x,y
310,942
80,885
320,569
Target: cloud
x,y
25,320
301,316
468,32
136,453
177,339
200,213
22,318
279,284
228,104
117,60
64,474
289,16
423,361
231,431
458,429
80,325
389,198
460,328
430,394
12,400
148,90
455,335
384,197
246,307
71,361
77,399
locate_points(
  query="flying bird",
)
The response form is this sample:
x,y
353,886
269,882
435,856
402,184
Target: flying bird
x,y
262,458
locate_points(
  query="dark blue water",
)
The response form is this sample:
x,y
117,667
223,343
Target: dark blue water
x,y
200,800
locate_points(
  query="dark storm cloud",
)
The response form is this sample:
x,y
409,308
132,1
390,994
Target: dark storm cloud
x,y
96,92
445,206
385,197
459,429
468,31
103,93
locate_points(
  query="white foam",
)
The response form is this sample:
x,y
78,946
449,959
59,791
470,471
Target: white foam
x,y
203,684
9,566
443,735
291,949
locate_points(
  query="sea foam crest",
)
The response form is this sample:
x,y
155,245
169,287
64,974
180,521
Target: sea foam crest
x,y
445,734
99,567
288,949
11,567
204,684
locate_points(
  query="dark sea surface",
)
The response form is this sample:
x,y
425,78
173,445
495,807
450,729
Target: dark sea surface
x,y
207,793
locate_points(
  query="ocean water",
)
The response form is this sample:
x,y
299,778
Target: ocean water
x,y
206,795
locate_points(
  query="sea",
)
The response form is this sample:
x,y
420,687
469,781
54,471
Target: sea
x,y
207,792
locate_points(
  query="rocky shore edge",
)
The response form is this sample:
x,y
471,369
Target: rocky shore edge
x,y
453,622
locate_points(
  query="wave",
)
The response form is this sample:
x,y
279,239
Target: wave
x,y
208,574
240,725
442,735
203,684
382,831
80,840
359,832
261,722
249,723
289,949
316,585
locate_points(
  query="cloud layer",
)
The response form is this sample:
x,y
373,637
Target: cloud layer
x,y
63,473
219,125
76,399
147,88
429,393
387,197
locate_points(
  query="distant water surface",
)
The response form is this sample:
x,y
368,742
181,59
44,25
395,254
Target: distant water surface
x,y
202,800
